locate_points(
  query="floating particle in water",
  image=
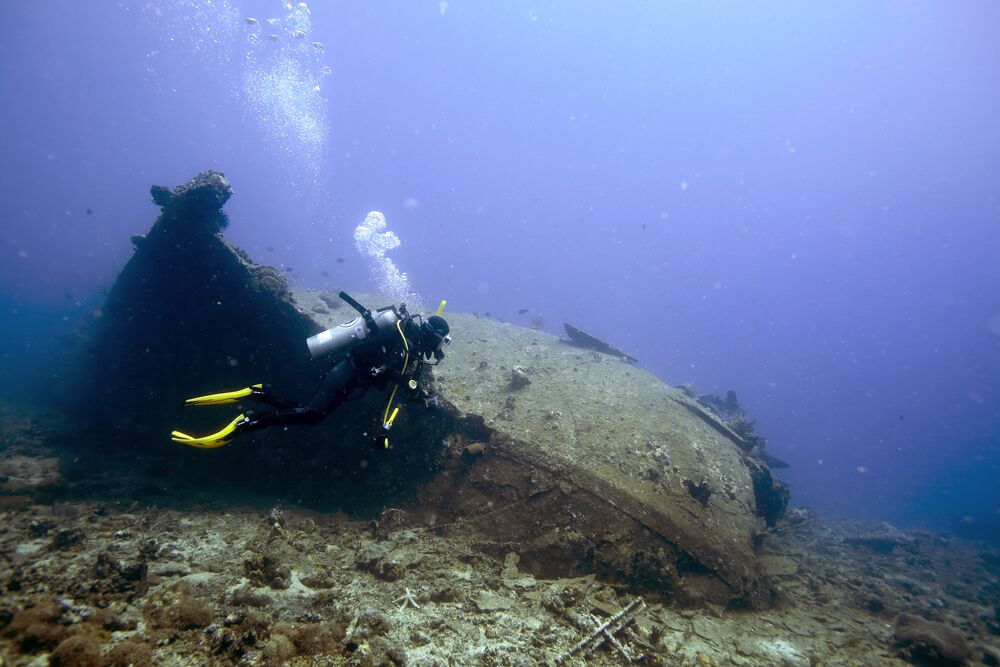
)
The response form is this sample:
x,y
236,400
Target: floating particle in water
x,y
269,248
274,38
340,260
326,69
251,21
90,211
288,269
318,46
862,469
299,34
324,274
522,311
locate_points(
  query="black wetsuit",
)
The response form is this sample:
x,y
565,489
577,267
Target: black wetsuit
x,y
373,362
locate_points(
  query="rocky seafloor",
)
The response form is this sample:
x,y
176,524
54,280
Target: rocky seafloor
x,y
137,572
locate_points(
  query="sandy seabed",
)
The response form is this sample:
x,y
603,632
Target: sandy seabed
x,y
213,580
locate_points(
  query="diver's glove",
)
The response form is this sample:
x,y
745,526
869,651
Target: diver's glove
x,y
414,392
431,399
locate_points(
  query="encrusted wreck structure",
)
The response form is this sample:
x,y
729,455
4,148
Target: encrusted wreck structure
x,y
575,460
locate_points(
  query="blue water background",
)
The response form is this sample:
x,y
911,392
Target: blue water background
x,y
797,201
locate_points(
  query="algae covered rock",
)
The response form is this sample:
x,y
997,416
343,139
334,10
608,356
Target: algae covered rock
x,y
922,641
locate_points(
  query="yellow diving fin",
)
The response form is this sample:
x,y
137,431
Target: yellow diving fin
x,y
225,397
217,439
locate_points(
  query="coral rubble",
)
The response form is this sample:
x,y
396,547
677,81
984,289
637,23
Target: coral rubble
x,y
176,583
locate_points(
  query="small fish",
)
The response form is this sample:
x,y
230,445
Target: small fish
x,y
90,211
325,274
522,311
269,248
340,260
900,417
486,314
288,269
644,226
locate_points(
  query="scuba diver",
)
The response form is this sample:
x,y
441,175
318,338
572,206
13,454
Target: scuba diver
x,y
374,349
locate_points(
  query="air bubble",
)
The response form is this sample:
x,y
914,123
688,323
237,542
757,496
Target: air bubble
x,y
372,243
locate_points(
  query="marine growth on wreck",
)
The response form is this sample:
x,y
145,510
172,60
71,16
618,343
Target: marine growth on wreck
x,y
588,462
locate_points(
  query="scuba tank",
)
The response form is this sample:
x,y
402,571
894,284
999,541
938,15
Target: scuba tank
x,y
343,336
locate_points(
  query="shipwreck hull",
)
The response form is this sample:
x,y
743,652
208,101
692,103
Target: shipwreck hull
x,y
577,461
654,487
